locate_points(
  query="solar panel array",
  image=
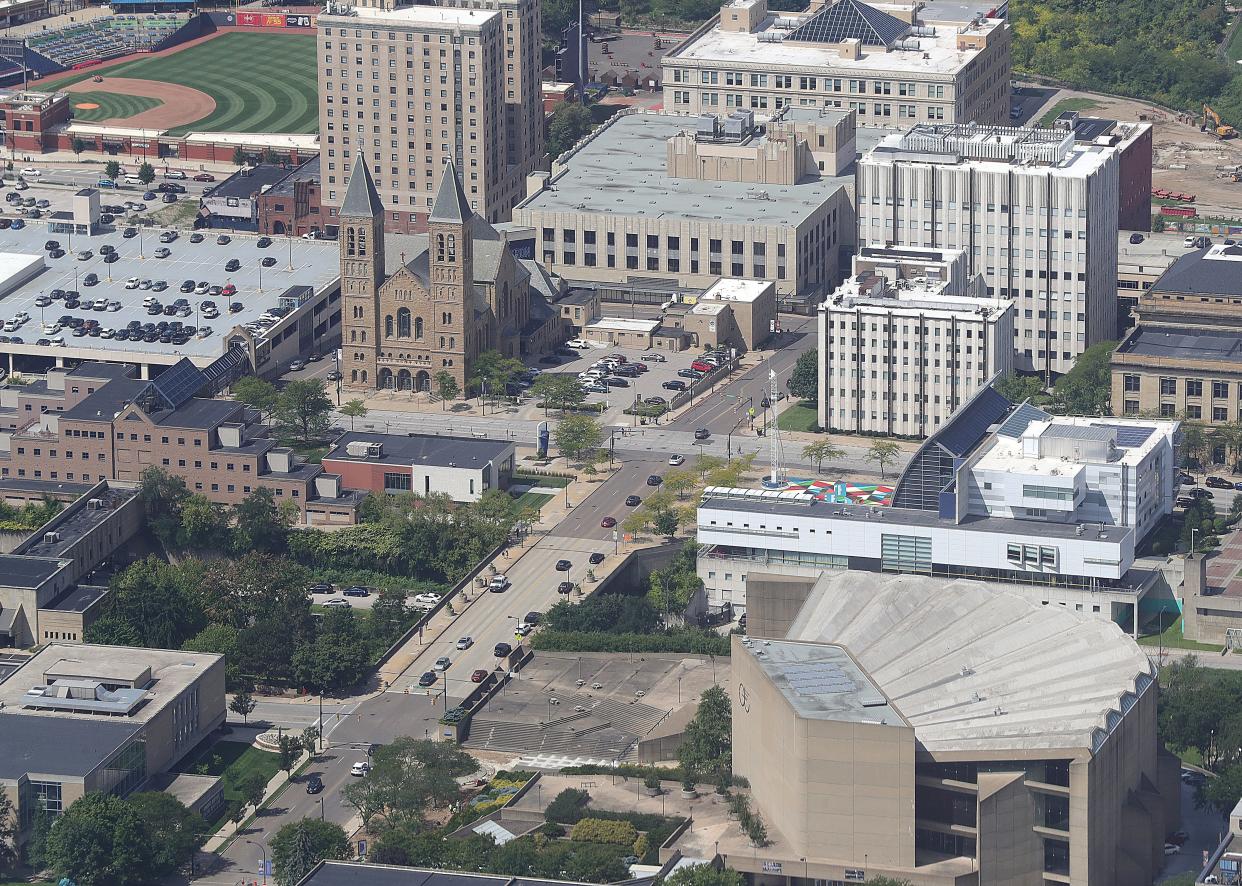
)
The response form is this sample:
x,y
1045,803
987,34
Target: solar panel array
x,y
817,678
848,19
1130,436
1017,423
178,384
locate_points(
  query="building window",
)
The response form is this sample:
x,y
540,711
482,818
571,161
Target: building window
x,y
1194,387
1220,390
397,482
1168,386
905,553
1132,384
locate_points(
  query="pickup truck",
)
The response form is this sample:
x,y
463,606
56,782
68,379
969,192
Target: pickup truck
x,y
498,584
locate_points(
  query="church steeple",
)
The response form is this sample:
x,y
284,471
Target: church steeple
x,y
362,273
451,206
449,237
362,200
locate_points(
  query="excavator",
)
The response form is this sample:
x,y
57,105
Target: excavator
x,y
1212,121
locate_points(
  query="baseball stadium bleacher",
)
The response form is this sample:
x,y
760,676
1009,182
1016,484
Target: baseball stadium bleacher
x,y
106,37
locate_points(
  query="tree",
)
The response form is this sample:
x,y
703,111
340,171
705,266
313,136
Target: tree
x,y
112,169
680,482
567,125
804,380
162,496
665,522
36,843
821,452
257,393
151,604
175,832
78,145
1087,387
260,525
243,705
706,751
576,434
239,156
303,409
883,453
290,749
203,523
407,777
1019,388
446,387
310,739
558,391
8,832
300,845
101,841
146,173
355,409
703,875
251,787
1194,442
270,156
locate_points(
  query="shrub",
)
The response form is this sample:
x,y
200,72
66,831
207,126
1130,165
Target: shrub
x,y
568,807
599,830
684,640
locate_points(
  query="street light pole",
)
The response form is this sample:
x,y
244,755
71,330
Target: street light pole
x,y
263,849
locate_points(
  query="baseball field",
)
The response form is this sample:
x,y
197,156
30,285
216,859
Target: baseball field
x,y
234,82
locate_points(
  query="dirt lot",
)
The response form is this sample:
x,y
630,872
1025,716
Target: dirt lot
x,y
1176,144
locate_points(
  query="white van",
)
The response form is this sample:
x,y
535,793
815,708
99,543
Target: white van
x,y
132,180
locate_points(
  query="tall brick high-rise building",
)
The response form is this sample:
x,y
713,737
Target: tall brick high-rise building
x,y
414,87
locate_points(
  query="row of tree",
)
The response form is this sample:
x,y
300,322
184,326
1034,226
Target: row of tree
x,y
1201,710
300,410
188,521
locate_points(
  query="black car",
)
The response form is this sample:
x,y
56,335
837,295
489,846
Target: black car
x,y
232,265
51,244
1219,483
563,565
90,279
532,617
550,360
263,242
428,678
702,434
501,650
187,285
106,248
111,257
319,587
1185,501
223,240
565,587
268,262
196,237
356,591
171,188
655,480
632,501
674,385
56,253
690,373
1136,238
596,558
1186,479
129,233
1200,492
614,382
314,784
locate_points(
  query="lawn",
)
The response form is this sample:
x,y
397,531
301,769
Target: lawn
x,y
1171,638
534,500
802,416
232,761
1069,104
111,105
260,82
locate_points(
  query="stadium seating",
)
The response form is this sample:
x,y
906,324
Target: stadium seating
x,y
106,37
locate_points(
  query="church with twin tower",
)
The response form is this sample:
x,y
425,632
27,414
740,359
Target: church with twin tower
x,y
452,294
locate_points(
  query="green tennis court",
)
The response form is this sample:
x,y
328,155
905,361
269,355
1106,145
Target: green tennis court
x,y
260,82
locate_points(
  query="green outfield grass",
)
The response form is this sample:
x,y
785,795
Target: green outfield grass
x,y
111,105
260,82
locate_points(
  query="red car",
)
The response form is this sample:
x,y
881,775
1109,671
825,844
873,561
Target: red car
x,y
641,367
229,289
700,366
478,676
204,177
608,522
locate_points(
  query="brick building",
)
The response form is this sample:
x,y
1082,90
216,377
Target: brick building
x,y
292,205
27,118
106,425
460,467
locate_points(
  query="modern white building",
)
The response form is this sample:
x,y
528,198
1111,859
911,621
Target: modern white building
x,y
893,65
1048,507
900,349
1035,212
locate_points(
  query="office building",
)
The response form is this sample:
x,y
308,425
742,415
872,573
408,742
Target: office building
x,y
85,718
943,734
1047,507
659,204
416,306
462,468
901,348
420,86
1184,358
1034,210
98,422
1133,166
939,63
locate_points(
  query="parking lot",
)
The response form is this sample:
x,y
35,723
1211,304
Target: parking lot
x,y
291,262
646,385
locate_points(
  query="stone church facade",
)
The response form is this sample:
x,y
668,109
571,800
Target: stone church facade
x,y
453,294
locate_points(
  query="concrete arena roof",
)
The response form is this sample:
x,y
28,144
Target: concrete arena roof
x,y
1046,677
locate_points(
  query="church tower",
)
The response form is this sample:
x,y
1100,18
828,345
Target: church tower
x,y
451,259
362,272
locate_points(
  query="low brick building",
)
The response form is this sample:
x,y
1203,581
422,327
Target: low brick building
x,y
291,206
461,467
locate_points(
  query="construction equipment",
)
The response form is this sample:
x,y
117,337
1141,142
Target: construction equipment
x,y
1211,121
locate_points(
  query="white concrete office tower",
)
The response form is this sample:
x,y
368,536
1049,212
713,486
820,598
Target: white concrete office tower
x,y
413,88
893,65
1035,213
901,347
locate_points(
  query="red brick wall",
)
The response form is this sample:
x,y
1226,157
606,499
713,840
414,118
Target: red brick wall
x,y
1134,186
367,476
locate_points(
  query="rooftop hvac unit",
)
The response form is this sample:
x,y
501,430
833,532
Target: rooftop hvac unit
x,y
51,538
740,123
95,504
364,449
707,126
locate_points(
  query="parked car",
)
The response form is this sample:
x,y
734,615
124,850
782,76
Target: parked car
x,y
427,599
1185,501
356,591
204,177
498,584
565,587
163,252
563,565
295,365
320,587
1219,483
673,385
500,650
595,559
338,603
263,242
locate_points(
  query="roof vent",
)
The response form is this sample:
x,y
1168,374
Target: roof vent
x,y
51,538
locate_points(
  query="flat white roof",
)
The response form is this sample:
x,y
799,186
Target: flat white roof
x,y
920,299
76,128
624,324
305,142
734,289
935,55
17,264
417,16
1005,453
712,308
